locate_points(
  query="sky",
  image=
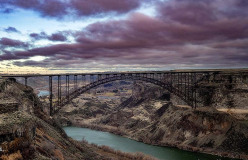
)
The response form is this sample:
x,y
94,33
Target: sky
x,y
62,36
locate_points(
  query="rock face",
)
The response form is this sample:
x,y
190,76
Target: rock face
x,y
17,131
195,130
7,106
26,132
157,121
225,95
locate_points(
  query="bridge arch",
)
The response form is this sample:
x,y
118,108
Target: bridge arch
x,y
164,84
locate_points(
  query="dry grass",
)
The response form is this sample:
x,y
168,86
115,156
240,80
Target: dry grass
x,y
124,155
58,154
13,156
104,128
234,111
119,154
184,106
110,94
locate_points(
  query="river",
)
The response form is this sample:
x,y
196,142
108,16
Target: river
x,y
43,93
127,145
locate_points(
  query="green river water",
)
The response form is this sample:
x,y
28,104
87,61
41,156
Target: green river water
x,y
128,145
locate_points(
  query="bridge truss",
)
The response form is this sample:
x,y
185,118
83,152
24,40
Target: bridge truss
x,y
184,85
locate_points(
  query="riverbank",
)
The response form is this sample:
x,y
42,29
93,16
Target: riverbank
x,y
116,131
108,140
203,130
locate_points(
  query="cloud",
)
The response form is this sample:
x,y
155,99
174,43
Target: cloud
x,y
61,9
7,55
184,33
29,63
206,19
6,10
6,42
59,36
51,8
96,7
38,36
11,29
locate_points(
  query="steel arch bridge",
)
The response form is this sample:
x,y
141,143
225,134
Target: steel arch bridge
x,y
182,84
164,84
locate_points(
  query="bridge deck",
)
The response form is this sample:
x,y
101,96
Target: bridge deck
x,y
182,83
223,71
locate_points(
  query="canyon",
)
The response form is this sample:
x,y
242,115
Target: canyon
x,y
137,110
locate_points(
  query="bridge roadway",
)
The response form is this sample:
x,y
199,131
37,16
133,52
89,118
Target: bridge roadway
x,y
184,84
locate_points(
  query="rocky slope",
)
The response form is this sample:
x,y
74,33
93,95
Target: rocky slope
x,y
157,121
27,132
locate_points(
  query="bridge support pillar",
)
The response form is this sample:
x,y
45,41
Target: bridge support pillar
x,y
99,77
193,90
83,79
59,90
67,86
195,102
91,79
75,82
26,81
51,94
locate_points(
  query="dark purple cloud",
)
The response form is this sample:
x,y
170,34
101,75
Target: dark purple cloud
x,y
30,63
38,36
51,8
185,32
207,19
95,7
6,42
11,29
60,9
59,36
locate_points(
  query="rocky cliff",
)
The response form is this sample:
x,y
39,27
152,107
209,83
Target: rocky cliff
x,y
157,121
27,132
